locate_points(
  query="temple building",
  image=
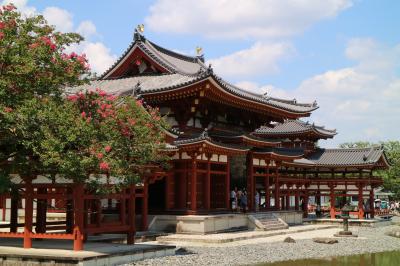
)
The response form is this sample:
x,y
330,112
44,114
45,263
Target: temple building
x,y
224,137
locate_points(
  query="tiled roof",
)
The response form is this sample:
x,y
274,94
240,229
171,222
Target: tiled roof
x,y
347,157
145,83
290,105
164,82
204,137
185,69
295,127
232,136
170,60
292,152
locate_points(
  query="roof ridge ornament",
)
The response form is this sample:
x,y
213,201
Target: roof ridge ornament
x,y
137,89
199,51
204,134
200,54
138,33
210,69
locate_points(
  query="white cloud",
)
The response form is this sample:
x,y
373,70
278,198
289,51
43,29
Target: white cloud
x,y
99,56
87,29
361,101
241,18
60,18
260,59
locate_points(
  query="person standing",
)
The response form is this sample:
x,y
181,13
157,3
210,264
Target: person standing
x,y
233,199
257,201
367,210
239,195
243,201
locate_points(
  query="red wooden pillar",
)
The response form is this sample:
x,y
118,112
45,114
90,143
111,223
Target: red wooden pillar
x,y
145,209
168,189
79,219
69,211
207,185
28,213
277,187
131,215
371,202
14,210
360,201
41,212
227,182
250,182
266,185
332,201
3,204
296,198
305,210
288,200
193,186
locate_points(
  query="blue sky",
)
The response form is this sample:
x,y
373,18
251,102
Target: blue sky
x,y
345,54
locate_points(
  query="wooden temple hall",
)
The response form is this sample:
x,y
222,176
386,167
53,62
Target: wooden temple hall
x,y
222,137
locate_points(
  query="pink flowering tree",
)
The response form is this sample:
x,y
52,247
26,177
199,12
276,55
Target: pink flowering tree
x,y
33,66
94,135
82,137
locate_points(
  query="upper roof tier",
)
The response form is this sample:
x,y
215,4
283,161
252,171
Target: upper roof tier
x,y
168,60
163,70
295,128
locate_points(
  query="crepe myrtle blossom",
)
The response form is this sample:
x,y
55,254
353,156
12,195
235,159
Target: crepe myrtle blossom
x,y
104,166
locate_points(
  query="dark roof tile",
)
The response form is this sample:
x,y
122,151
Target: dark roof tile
x,y
347,157
294,127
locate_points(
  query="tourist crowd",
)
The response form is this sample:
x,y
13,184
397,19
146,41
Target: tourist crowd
x,y
238,200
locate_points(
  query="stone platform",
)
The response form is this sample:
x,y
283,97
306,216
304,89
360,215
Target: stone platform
x,y
217,223
59,252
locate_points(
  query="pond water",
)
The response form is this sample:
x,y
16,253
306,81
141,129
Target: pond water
x,y
391,258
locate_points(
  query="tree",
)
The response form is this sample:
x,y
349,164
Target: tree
x,y
93,134
81,137
33,65
391,176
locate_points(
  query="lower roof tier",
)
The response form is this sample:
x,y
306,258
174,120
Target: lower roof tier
x,y
359,158
295,128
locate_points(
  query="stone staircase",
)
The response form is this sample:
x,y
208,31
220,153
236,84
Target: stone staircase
x,y
267,221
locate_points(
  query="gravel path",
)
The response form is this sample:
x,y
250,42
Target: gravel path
x,y
370,240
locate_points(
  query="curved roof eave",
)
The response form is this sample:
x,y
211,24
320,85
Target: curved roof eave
x,y
215,82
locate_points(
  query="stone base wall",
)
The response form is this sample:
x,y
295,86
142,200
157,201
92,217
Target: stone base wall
x,y
208,224
290,217
198,224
